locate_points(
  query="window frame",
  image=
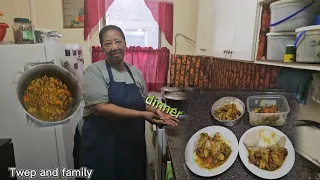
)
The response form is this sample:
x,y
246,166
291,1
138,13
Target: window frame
x,y
103,22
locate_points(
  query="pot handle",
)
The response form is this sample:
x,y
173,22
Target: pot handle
x,y
30,65
27,66
16,77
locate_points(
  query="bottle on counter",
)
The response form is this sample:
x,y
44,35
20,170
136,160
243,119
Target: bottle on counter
x,y
23,31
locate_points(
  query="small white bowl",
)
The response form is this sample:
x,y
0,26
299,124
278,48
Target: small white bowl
x,y
227,100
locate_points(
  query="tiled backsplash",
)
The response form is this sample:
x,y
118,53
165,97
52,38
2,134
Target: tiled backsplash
x,y
214,73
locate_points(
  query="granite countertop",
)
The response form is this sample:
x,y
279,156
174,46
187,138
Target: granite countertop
x,y
200,104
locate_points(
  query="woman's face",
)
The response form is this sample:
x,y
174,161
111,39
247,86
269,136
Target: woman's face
x,y
114,46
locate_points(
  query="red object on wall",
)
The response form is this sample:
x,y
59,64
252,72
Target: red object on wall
x,y
153,64
3,30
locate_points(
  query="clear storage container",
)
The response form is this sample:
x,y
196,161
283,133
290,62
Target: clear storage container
x,y
277,44
23,31
267,118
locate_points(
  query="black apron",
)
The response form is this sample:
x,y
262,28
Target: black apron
x,y
116,149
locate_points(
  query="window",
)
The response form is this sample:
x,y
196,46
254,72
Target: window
x,y
136,20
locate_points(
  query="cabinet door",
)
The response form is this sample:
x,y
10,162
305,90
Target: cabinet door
x,y
224,27
205,27
245,29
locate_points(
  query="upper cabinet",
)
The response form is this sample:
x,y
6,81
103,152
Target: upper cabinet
x,y
227,29
205,28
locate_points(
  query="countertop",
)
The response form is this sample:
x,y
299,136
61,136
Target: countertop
x,y
199,104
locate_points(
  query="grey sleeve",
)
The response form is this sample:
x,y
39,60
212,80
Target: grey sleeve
x,y
95,90
142,83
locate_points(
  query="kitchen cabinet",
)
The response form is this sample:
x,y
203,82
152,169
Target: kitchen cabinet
x,y
205,28
225,30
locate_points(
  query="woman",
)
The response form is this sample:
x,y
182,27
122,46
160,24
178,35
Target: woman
x,y
113,129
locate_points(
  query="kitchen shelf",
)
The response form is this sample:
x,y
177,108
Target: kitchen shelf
x,y
315,67
267,1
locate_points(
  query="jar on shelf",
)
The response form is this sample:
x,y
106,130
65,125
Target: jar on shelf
x,y
23,31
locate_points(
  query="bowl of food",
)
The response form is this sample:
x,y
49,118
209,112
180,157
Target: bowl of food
x,y
228,110
49,94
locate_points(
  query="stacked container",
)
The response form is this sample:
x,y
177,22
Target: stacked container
x,y
286,17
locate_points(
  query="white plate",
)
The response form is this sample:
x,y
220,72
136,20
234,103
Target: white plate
x,y
231,140
282,171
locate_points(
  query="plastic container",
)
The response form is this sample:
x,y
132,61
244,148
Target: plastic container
x,y
270,119
308,44
288,15
277,43
23,31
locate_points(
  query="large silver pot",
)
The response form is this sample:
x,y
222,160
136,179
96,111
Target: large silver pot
x,y
37,70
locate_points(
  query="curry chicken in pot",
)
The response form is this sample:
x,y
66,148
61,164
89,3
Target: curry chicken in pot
x,y
47,98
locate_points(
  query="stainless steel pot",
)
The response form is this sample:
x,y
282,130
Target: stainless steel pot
x,y
177,100
168,89
36,70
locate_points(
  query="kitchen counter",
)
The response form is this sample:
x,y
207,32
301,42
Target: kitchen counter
x,y
200,104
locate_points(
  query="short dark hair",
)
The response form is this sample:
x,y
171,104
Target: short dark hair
x,y
108,28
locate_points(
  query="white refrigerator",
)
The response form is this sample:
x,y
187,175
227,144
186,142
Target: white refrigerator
x,y
35,147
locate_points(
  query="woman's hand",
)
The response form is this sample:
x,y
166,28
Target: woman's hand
x,y
167,118
156,119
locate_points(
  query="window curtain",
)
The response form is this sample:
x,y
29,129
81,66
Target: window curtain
x,y
153,64
162,12
94,10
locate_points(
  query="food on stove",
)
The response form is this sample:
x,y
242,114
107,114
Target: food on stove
x,y
47,98
211,152
268,109
269,159
228,112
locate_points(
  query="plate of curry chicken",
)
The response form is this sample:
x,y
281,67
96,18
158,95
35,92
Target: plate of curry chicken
x,y
211,151
266,152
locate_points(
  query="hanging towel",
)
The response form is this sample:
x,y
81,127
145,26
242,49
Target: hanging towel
x,y
296,81
169,173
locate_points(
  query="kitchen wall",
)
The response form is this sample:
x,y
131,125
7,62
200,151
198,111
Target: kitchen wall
x,y
48,14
